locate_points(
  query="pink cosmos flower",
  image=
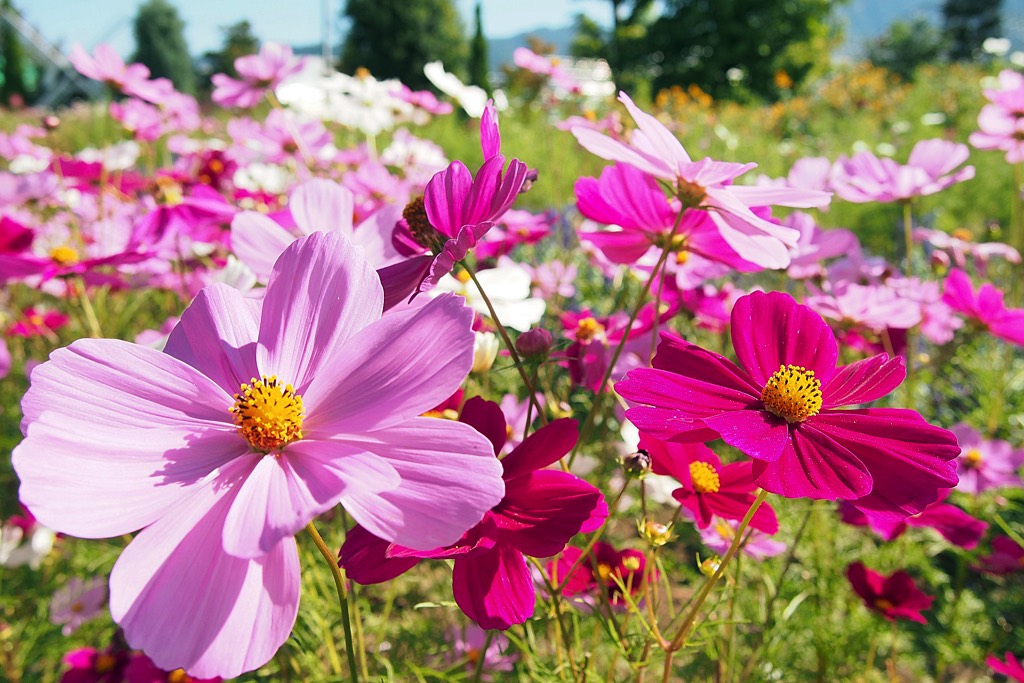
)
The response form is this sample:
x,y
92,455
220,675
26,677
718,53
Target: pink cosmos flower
x,y
984,306
815,245
257,417
985,464
529,60
257,74
1001,123
1007,557
634,205
5,359
77,602
708,488
707,185
930,169
457,209
955,525
894,597
107,66
89,665
1012,668
542,509
960,245
779,406
141,669
469,644
757,544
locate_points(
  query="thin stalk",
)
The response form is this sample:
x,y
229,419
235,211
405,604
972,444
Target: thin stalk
x,y
593,539
91,321
339,584
516,359
588,424
908,230
691,619
479,668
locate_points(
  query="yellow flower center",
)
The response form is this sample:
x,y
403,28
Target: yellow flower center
x,y
587,329
883,604
462,276
704,477
269,415
963,234
793,393
179,676
972,458
632,563
446,414
604,570
77,607
64,255
724,530
169,192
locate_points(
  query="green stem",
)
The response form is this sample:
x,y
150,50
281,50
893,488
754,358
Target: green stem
x,y
691,619
516,359
339,584
588,424
908,230
479,668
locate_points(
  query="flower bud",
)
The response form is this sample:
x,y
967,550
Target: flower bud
x,y
709,566
637,464
534,343
657,534
485,350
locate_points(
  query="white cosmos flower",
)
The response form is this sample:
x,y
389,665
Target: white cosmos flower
x,y
470,97
508,288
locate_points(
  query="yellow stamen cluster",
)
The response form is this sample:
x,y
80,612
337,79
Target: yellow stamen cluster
x,y
604,571
704,477
632,563
415,215
883,604
269,415
64,255
793,393
446,414
963,234
587,329
179,676
972,458
104,663
169,191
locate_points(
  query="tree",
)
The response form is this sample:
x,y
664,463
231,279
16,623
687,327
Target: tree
x,y
478,58
160,44
395,38
906,45
755,45
14,63
239,41
967,23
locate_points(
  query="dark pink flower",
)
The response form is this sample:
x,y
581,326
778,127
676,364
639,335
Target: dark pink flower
x,y
141,669
89,665
37,322
708,487
955,525
1007,557
542,509
984,306
894,597
1011,668
257,73
779,406
606,571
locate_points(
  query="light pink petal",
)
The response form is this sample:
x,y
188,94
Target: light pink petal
x,y
399,367
494,589
750,243
863,381
772,330
814,466
257,240
217,336
286,490
450,479
116,434
322,205
780,196
655,138
603,146
321,293
187,604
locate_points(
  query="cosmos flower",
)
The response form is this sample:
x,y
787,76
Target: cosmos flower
x,y
955,525
542,509
107,66
77,602
257,73
985,464
780,407
931,168
894,597
257,417
984,306
1012,668
1007,557
756,544
605,572
709,488
707,185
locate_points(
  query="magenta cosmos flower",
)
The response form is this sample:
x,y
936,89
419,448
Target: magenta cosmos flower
x,y
255,419
542,509
952,523
779,407
894,597
985,464
707,185
708,487
1012,668
984,306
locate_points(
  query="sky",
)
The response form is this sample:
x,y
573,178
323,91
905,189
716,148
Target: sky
x,y
296,22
